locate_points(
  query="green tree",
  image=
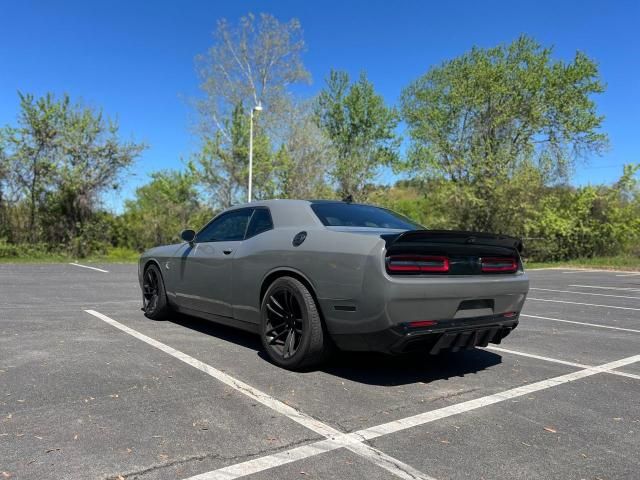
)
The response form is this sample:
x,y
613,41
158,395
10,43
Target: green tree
x,y
162,208
594,220
4,180
93,156
224,165
305,155
32,149
62,156
484,118
251,63
361,129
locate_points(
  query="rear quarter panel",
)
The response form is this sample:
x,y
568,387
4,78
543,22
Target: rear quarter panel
x,y
333,263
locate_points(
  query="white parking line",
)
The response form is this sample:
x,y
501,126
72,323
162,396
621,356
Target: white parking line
x,y
561,362
86,266
623,289
257,395
528,269
583,293
537,357
580,270
628,274
299,453
422,418
597,325
589,270
390,464
267,462
578,303
336,439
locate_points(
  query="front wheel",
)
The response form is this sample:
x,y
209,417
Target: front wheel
x,y
291,329
154,297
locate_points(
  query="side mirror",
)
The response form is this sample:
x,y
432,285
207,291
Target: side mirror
x,y
188,235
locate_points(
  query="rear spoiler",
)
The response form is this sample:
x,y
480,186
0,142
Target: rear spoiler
x,y
454,237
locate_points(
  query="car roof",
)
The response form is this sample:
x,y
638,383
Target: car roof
x,y
277,202
285,212
290,213
288,201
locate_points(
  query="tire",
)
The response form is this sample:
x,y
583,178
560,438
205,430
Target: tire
x,y
291,328
154,297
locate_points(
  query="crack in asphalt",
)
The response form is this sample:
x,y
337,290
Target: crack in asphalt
x,y
208,456
343,424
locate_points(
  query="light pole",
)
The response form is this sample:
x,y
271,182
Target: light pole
x,y
257,108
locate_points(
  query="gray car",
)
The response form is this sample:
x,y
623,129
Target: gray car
x,y
308,276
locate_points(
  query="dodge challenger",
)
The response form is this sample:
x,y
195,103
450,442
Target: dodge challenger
x,y
309,276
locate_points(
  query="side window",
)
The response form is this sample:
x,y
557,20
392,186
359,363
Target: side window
x,y
229,227
260,222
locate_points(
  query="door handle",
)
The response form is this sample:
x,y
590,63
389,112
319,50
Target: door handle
x,y
227,252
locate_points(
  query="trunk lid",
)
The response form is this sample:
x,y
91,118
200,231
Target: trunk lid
x,y
463,250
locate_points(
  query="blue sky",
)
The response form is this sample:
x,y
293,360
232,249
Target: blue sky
x,y
135,59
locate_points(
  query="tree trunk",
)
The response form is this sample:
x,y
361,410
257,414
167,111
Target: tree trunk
x,y
32,207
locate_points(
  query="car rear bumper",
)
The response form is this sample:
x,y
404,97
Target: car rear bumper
x,y
448,335
385,303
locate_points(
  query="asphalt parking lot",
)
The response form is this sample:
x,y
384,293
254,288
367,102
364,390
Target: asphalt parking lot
x,y
90,388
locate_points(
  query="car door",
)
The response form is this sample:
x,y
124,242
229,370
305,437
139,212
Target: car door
x,y
249,266
206,268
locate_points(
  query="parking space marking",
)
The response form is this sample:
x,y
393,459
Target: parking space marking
x,y
622,329
583,270
555,360
299,453
579,270
578,303
624,289
583,293
543,268
87,266
390,464
255,394
267,462
430,416
537,357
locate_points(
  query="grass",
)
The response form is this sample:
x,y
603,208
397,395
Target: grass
x,y
113,255
619,262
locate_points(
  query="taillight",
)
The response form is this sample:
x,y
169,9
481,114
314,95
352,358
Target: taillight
x,y
422,323
499,264
417,264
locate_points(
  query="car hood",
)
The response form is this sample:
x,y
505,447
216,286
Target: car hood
x,y
163,250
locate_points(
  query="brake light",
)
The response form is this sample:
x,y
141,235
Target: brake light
x,y
417,264
499,264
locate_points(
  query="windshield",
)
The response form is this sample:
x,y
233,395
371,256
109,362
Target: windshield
x,y
353,215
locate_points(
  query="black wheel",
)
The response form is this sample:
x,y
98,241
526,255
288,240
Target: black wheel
x,y
154,297
290,327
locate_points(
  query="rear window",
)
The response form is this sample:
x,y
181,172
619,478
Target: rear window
x,y
351,215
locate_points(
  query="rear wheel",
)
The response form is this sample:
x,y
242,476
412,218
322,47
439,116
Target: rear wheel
x,y
291,328
154,297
